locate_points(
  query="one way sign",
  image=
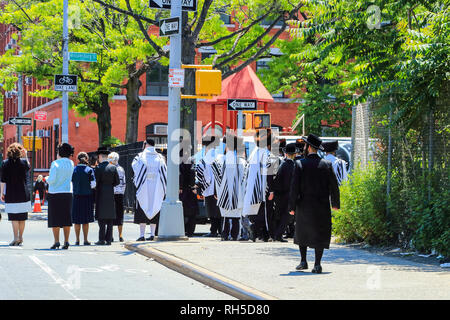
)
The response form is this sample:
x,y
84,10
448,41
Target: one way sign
x,y
186,5
169,27
241,104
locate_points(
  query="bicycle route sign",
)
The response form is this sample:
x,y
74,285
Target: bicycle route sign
x,y
66,82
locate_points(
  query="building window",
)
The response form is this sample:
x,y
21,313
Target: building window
x,y
268,21
261,65
225,18
157,81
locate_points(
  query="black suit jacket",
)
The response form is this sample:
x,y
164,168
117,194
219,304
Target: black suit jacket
x,y
107,178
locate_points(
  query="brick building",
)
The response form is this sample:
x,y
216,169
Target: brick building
x,y
83,131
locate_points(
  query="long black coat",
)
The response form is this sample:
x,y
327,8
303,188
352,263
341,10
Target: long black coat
x,y
187,185
314,184
107,178
281,186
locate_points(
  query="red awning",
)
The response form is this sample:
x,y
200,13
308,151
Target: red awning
x,y
244,84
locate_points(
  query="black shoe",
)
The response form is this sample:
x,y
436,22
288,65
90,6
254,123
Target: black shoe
x,y
55,246
77,243
150,238
65,246
282,240
87,243
317,269
100,243
112,239
302,266
141,239
108,243
121,239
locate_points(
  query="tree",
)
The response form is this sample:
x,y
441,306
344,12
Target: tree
x,y
235,49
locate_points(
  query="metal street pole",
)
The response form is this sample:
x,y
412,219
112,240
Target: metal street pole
x,y
19,105
171,220
65,95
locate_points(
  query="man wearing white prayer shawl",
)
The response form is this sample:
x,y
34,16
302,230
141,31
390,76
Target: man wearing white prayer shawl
x,y
150,179
205,182
339,165
228,171
258,198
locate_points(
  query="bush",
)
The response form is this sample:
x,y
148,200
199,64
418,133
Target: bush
x,y
362,216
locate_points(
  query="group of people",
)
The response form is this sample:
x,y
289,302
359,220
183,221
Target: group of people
x,y
73,192
263,195
257,197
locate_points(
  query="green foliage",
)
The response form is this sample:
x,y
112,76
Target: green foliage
x,y
362,216
112,142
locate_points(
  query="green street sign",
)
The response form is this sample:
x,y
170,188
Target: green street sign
x,y
83,56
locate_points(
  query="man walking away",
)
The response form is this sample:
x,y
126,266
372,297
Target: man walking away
x,y
150,179
206,184
313,185
107,178
282,185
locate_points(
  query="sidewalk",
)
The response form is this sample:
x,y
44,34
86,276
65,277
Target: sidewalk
x,y
269,268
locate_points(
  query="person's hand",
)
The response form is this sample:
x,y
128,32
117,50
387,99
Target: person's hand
x,y
3,197
215,197
194,191
180,191
334,208
292,212
270,196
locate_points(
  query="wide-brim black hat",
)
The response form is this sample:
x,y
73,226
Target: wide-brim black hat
x,y
103,150
314,141
330,146
291,148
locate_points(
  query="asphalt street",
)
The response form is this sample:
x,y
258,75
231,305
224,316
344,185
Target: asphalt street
x,y
33,271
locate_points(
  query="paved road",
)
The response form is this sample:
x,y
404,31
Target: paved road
x,y
32,271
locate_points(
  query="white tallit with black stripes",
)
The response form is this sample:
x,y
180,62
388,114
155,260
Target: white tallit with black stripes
x,y
205,175
339,168
150,179
256,180
228,172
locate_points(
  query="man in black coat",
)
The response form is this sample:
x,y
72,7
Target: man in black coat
x,y
107,178
314,184
282,185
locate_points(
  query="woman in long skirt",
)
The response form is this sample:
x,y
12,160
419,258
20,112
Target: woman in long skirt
x,y
14,190
60,195
83,180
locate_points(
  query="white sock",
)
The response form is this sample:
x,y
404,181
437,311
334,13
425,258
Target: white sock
x,y
142,229
152,229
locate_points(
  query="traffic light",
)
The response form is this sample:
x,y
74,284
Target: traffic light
x,y
262,120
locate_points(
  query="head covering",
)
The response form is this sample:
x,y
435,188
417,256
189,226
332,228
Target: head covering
x,y
300,144
103,150
291,148
150,141
39,178
314,141
330,146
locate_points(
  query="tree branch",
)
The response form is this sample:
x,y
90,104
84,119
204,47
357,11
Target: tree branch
x,y
128,13
201,19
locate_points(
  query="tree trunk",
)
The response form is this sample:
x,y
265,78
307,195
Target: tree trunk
x,y
133,106
103,112
188,106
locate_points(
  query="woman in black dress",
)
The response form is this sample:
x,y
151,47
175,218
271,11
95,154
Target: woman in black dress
x,y
83,180
41,187
14,190
60,195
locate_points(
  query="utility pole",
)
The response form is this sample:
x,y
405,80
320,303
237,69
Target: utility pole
x,y
171,220
65,71
19,105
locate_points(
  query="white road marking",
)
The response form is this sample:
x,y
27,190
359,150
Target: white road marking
x,y
53,275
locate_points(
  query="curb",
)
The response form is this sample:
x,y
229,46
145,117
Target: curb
x,y
207,277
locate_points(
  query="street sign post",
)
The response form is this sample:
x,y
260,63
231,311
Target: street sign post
x,y
241,105
169,26
20,121
66,83
83,56
40,116
171,221
187,5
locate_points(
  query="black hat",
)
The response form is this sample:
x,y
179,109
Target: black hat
x,y
291,148
330,146
103,150
300,144
314,141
